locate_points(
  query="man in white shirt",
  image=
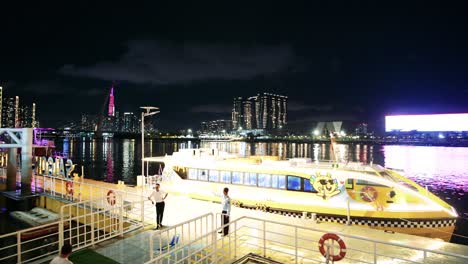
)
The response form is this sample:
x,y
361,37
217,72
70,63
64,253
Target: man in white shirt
x,y
226,205
65,252
158,196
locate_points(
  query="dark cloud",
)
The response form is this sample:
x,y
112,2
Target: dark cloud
x,y
299,106
211,108
153,62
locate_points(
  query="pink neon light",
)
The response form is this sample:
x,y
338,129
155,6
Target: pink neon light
x,y
439,122
111,110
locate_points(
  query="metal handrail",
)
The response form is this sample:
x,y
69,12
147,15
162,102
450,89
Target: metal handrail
x,y
262,244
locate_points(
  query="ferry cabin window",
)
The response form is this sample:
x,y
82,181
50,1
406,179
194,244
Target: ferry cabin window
x,y
278,181
214,176
308,187
264,180
237,177
225,176
294,183
349,184
250,178
193,174
203,175
364,182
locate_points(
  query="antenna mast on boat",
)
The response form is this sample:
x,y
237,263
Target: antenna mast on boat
x,y
333,147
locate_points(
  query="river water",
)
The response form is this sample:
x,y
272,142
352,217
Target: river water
x,y
443,170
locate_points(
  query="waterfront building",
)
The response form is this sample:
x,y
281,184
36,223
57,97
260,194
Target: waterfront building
x,y
237,117
130,123
8,112
216,126
361,129
264,111
17,121
111,107
33,116
247,113
325,128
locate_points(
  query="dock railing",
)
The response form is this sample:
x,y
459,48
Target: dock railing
x,y
137,203
171,238
81,224
292,244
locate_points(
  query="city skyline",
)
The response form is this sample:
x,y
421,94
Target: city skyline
x,y
346,61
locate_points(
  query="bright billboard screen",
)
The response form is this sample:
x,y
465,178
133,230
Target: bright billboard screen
x,y
427,123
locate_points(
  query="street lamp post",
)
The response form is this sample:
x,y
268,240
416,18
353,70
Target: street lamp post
x,y
148,112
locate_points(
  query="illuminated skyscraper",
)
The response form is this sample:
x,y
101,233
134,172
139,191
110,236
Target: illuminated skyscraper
x,y
17,119
33,116
247,113
237,117
273,109
111,110
263,111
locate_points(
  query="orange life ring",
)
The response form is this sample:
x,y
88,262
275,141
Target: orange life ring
x,y
369,194
69,187
111,197
341,243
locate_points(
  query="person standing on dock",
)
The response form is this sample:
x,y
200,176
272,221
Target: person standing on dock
x,y
226,211
65,252
158,196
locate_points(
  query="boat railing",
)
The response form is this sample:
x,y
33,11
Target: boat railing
x,y
296,244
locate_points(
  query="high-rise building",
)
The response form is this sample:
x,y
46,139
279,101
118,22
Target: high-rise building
x,y
8,112
216,126
247,113
24,117
130,122
111,108
263,111
361,129
273,111
33,116
17,112
237,117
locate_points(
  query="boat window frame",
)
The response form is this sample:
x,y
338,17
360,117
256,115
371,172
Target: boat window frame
x,y
300,182
209,175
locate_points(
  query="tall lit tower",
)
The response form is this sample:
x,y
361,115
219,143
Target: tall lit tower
x,y
111,111
17,120
33,115
1,106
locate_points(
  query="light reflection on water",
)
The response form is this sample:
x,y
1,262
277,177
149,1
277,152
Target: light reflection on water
x,y
442,169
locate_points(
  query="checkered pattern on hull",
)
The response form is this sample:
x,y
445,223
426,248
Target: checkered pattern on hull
x,y
414,223
372,222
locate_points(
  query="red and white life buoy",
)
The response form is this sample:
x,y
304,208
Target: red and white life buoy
x,y
340,242
111,197
69,187
369,194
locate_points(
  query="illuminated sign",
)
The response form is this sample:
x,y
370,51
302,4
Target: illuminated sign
x,y
442,122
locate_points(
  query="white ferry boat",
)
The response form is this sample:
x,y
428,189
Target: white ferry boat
x,y
367,195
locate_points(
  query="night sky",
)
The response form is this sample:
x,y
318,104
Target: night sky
x,y
347,60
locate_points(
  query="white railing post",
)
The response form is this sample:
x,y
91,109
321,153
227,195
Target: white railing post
x,y
121,219
235,239
151,247
61,229
92,224
264,238
375,252
348,222
214,241
142,212
18,247
295,243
